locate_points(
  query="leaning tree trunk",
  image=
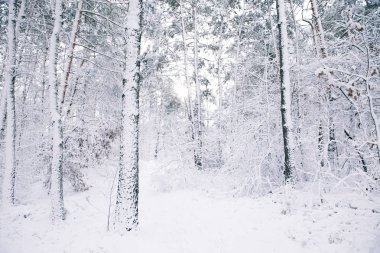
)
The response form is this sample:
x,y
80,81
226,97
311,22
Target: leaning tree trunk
x,y
287,123
126,212
70,56
320,35
56,191
9,178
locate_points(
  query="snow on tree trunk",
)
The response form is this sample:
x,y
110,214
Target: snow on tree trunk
x,y
158,127
320,44
320,35
219,69
56,191
371,105
374,119
183,28
3,109
296,89
70,55
126,210
8,193
287,123
189,103
198,105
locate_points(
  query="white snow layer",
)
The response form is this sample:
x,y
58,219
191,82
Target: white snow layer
x,y
177,221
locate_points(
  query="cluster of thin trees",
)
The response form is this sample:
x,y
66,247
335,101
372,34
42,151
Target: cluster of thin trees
x,y
270,92
127,197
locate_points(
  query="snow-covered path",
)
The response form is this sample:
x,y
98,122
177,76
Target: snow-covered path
x,y
192,221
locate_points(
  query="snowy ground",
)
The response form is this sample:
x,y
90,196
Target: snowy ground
x,y
196,221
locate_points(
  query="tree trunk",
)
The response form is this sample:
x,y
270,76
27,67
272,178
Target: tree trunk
x,y
296,89
322,53
320,35
3,109
56,191
126,211
219,62
185,62
9,178
158,123
188,102
198,105
70,54
371,106
16,28
287,123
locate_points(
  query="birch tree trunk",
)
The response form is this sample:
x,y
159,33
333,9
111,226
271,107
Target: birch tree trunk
x,y
56,191
8,191
287,124
126,210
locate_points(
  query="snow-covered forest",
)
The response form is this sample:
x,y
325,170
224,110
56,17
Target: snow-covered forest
x,y
189,126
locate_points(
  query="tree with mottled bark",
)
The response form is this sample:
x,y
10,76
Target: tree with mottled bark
x,y
126,210
287,123
56,190
8,193
198,101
